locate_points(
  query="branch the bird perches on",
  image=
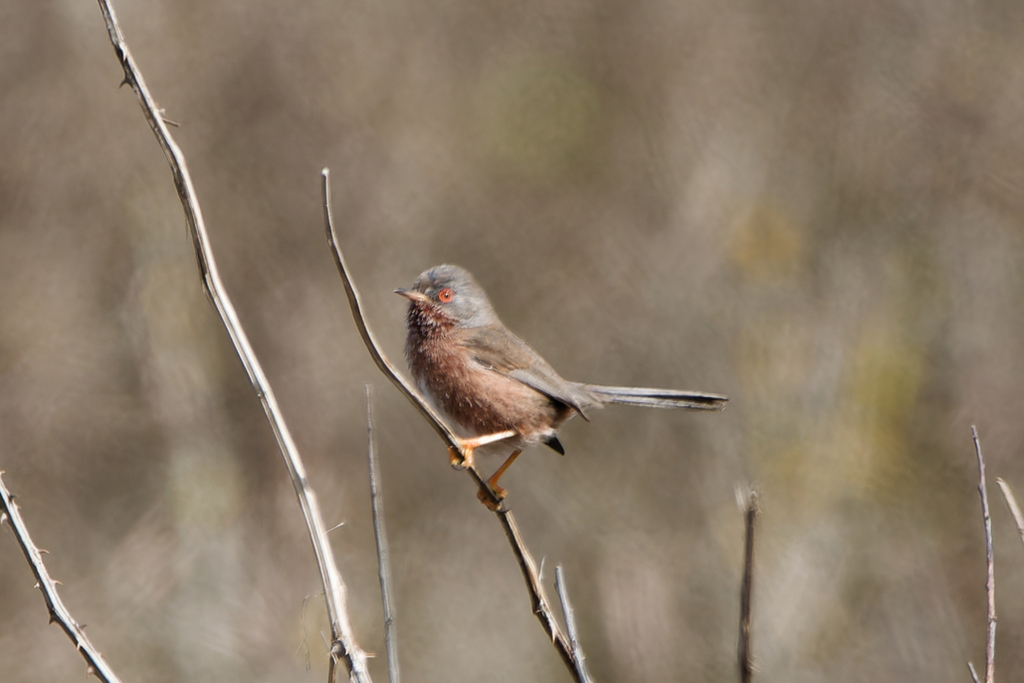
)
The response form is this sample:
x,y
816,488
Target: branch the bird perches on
x,y
538,597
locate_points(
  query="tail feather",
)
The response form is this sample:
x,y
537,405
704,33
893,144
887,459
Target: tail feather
x,y
657,398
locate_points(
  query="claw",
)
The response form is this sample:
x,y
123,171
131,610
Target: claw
x,y
459,461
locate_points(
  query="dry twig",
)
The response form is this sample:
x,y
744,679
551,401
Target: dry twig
x,y
990,577
538,597
570,625
344,644
58,612
1011,502
744,652
380,535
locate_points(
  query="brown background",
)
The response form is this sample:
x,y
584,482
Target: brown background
x,y
814,207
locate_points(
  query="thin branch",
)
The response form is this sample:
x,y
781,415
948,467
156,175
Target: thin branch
x,y
344,644
579,659
58,612
744,651
538,597
1011,502
355,303
974,674
380,535
382,362
990,578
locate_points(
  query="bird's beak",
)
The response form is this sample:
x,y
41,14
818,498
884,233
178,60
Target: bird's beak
x,y
413,295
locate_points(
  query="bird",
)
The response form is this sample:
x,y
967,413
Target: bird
x,y
501,393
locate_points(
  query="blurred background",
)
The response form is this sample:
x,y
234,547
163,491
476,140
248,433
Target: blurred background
x,y
813,207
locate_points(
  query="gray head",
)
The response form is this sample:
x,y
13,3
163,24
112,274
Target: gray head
x,y
451,293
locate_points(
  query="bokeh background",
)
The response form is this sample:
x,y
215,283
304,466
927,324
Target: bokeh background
x,y
814,207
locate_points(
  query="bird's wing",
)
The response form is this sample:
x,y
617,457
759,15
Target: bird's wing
x,y
506,354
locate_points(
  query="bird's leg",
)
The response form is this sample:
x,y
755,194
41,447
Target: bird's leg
x,y
465,459
487,497
493,481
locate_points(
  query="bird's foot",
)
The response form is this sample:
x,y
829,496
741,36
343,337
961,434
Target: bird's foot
x,y
461,461
493,498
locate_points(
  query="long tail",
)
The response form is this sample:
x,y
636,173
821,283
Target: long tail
x,y
657,398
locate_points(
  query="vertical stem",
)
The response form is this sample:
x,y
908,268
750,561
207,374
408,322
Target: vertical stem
x,y
990,577
744,651
579,659
380,535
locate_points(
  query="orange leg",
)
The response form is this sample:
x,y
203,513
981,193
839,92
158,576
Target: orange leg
x,y
493,481
469,445
485,496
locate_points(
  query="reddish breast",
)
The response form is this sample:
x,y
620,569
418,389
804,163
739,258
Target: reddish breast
x,y
479,399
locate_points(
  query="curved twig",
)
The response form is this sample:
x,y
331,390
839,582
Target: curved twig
x,y
334,587
58,612
538,597
356,304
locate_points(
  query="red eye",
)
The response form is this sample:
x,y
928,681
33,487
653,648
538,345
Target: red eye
x,y
445,295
